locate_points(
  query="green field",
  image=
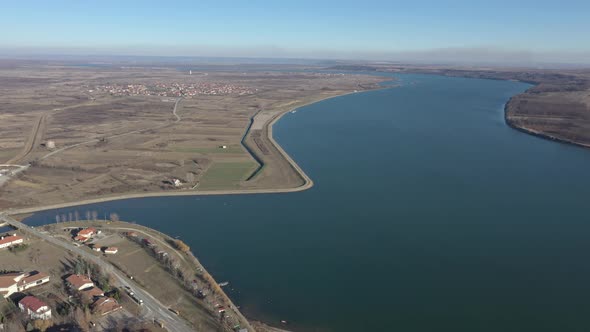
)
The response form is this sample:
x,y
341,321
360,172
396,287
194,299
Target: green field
x,y
226,175
229,150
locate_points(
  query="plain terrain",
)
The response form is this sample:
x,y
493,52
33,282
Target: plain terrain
x,y
111,145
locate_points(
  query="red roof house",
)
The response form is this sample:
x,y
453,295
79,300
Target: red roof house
x,y
35,308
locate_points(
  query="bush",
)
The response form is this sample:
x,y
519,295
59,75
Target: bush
x,y
18,248
181,246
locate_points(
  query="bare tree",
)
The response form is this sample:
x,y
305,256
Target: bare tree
x,y
88,215
94,215
70,216
114,217
57,218
77,215
64,218
80,319
190,177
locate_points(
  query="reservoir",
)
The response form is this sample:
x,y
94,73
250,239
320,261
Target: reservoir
x,y
428,214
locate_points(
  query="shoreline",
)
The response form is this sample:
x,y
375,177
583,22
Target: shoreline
x,y
535,133
308,182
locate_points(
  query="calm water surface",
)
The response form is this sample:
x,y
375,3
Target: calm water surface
x,y
428,214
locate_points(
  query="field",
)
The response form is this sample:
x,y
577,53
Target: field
x,y
92,132
227,174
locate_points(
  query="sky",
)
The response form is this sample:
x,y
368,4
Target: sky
x,y
423,30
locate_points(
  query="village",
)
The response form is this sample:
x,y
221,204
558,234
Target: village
x,y
46,288
163,89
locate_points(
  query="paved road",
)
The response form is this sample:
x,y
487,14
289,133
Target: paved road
x,y
152,307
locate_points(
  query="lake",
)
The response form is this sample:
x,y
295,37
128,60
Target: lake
x,y
428,214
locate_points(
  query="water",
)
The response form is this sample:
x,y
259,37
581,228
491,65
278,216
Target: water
x,y
428,214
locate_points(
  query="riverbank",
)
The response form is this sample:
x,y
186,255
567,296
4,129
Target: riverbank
x,y
514,124
268,126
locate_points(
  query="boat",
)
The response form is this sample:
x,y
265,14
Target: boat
x,y
223,284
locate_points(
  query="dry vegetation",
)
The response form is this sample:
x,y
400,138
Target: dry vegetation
x,y
135,144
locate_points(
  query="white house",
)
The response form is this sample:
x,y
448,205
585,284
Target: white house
x,y
19,281
34,308
11,240
111,250
79,282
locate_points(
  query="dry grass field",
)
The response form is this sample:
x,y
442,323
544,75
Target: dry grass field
x,y
109,144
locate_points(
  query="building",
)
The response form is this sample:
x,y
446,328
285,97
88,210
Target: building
x,y
105,305
50,144
92,293
11,283
79,282
87,232
11,240
81,238
111,250
34,308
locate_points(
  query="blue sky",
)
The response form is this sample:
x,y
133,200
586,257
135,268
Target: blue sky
x,y
297,28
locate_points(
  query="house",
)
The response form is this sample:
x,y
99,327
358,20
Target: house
x,y
34,308
8,283
11,240
19,281
79,282
105,305
92,293
87,232
131,234
111,250
81,238
32,279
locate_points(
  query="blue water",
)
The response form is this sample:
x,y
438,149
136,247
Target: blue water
x,y
428,214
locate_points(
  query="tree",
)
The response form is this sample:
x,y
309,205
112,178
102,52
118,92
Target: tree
x,y
80,319
190,177
42,324
180,245
14,326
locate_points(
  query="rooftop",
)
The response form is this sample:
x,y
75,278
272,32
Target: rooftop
x,y
32,303
78,280
10,239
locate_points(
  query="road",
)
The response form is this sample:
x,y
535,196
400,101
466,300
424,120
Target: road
x,y
175,107
153,309
34,139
